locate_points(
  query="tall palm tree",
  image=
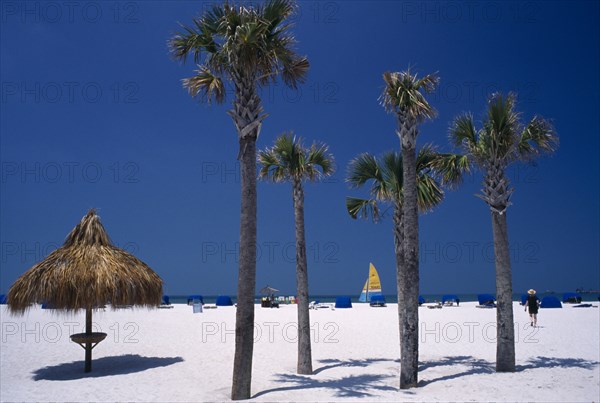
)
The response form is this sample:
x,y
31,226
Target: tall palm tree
x,y
386,176
289,161
403,96
248,46
502,140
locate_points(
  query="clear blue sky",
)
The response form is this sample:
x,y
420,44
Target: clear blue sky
x,y
93,115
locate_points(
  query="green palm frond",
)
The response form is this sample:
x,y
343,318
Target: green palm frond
x,y
451,168
463,133
537,137
362,208
501,125
288,159
319,161
426,156
392,168
294,70
385,177
244,41
403,93
429,193
276,11
205,84
362,169
269,165
501,140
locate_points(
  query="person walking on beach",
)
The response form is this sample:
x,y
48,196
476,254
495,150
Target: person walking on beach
x,y
533,304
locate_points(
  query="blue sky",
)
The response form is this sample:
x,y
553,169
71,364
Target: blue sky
x,y
93,115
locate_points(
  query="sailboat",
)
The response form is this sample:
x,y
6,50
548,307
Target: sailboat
x,y
372,286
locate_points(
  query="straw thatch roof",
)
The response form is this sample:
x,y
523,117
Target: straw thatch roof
x,y
87,271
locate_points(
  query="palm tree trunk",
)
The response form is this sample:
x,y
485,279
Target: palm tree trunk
x,y
409,356
399,250
245,114
505,343
304,347
244,319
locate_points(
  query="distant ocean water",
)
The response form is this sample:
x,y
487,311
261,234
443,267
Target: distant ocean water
x,y
390,298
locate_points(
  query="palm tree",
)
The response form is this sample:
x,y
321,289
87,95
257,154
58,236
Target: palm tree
x,y
402,96
289,161
387,177
500,141
248,46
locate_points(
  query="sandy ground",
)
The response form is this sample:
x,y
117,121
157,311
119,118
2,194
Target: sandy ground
x,y
176,355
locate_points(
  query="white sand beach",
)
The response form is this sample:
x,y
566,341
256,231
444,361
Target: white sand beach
x,y
176,355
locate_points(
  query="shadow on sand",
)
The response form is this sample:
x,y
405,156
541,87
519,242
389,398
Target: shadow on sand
x,y
333,363
106,366
553,362
364,385
346,386
478,366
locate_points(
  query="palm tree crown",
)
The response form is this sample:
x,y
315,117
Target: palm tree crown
x,y
502,139
289,160
386,178
239,43
402,94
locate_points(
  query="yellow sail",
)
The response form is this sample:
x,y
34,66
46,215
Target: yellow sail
x,y
372,285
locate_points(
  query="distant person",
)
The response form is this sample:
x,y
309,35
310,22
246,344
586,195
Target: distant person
x,y
533,303
457,302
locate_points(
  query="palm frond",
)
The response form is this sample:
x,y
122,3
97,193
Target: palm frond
x,y
386,180
426,156
276,11
289,159
269,164
294,71
501,140
429,193
362,208
205,84
319,162
393,175
462,132
244,42
362,169
450,168
502,124
402,93
537,137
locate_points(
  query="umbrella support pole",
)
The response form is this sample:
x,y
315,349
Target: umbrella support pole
x,y
88,340
88,345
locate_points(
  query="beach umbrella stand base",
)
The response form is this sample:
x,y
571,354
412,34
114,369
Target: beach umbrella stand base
x,y
88,341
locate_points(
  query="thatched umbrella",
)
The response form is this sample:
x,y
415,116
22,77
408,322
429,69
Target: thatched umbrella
x,y
85,273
